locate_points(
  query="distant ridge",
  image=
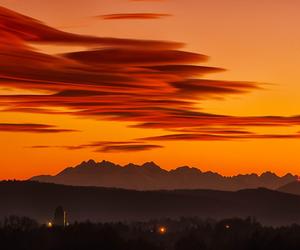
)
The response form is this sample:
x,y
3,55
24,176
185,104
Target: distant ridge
x,y
291,188
150,176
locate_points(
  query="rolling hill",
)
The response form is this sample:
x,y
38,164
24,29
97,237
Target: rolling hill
x,y
38,200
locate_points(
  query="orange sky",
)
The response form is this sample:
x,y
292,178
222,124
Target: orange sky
x,y
256,41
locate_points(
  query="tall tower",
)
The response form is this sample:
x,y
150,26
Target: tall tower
x,y
60,217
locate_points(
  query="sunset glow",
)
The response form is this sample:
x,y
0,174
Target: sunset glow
x,y
175,82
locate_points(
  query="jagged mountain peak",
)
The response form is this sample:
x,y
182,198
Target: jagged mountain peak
x,y
187,169
269,174
150,164
131,165
150,176
93,163
87,163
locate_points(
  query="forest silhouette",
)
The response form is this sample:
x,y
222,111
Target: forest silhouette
x,y
182,234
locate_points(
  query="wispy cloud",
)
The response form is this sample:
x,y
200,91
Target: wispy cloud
x,y
118,16
219,137
32,128
106,146
19,29
128,148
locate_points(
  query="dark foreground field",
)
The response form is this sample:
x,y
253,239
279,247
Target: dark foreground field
x,y
184,234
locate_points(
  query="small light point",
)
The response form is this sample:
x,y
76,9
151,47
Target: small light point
x,y
162,230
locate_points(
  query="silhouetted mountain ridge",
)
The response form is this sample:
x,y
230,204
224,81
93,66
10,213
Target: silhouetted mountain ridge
x,y
150,176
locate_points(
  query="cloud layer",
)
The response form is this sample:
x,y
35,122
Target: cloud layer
x,y
154,84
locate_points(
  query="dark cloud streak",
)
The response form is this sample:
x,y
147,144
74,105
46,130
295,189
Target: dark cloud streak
x,y
32,128
122,16
218,137
106,146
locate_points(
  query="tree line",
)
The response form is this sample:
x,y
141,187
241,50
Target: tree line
x,y
166,234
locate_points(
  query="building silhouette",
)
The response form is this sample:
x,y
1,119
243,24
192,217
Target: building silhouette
x,y
60,217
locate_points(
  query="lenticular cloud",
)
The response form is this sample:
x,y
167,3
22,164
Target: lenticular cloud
x,y
154,84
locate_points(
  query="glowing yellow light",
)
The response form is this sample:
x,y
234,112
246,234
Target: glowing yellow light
x,y
49,224
162,230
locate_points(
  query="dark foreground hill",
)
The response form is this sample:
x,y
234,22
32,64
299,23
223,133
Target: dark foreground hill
x,y
149,176
38,200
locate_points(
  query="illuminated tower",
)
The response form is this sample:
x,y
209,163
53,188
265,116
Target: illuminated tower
x,y
60,217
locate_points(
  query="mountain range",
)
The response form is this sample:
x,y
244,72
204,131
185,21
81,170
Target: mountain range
x,y
150,176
